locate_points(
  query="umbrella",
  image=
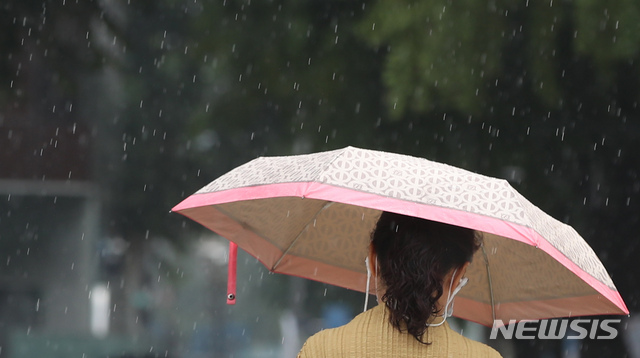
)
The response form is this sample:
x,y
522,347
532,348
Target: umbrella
x,y
312,215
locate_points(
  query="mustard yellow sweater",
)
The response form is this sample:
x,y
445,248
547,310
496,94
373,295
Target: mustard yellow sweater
x,y
371,335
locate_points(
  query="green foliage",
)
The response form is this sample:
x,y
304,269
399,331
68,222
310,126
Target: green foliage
x,y
297,93
607,31
440,52
449,52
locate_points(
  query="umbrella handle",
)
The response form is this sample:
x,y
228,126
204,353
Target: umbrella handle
x,y
231,275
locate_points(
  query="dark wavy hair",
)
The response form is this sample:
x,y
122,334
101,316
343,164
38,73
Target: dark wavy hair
x,y
414,255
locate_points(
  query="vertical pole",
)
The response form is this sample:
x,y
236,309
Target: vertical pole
x,y
231,275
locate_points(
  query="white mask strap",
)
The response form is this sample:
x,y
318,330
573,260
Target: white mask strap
x,y
366,293
463,282
376,280
448,312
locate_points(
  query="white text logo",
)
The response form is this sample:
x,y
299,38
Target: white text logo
x,y
556,329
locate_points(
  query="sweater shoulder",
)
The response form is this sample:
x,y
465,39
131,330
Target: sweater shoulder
x,y
325,342
470,348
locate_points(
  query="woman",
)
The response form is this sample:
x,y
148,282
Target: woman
x,y
418,266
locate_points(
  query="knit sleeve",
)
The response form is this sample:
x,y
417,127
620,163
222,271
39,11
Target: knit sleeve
x,y
311,348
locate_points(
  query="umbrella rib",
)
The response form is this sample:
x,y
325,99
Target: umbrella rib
x,y
327,165
493,305
325,206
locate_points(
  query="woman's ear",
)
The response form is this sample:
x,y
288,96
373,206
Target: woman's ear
x,y
372,261
461,273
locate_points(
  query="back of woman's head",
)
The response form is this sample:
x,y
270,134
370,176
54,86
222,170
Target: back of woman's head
x,y
413,257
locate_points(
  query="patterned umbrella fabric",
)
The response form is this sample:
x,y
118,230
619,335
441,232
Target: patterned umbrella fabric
x,y
312,215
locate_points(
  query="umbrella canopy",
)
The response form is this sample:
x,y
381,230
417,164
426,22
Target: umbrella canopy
x,y
312,216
